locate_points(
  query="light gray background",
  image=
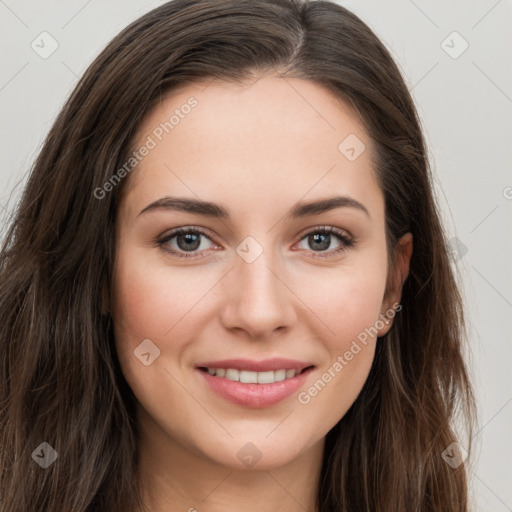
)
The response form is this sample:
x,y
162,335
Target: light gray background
x,y
466,109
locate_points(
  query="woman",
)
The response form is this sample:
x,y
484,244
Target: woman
x,y
173,339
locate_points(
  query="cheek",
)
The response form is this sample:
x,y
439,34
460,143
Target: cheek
x,y
328,397
350,307
151,299
138,310
347,301
349,304
152,303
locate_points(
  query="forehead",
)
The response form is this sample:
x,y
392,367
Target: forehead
x,y
269,139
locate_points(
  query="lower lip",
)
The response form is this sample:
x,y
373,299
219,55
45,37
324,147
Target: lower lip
x,y
255,395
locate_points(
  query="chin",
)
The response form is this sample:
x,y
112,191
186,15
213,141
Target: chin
x,y
264,455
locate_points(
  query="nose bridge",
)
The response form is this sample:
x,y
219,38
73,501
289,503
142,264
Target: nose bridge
x,y
258,279
259,301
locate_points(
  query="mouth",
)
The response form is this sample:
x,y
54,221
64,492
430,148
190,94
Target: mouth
x,y
254,383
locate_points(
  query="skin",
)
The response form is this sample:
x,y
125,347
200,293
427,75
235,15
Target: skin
x,y
256,149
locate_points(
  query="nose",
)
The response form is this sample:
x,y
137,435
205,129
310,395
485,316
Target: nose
x,y
257,298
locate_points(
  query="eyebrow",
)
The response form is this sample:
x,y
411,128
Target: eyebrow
x,y
209,209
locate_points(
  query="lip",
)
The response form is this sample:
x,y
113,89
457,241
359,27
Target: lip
x,y
255,395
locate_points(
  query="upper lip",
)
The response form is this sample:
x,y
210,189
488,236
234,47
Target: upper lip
x,y
265,365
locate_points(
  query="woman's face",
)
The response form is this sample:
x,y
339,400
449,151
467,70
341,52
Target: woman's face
x,y
256,291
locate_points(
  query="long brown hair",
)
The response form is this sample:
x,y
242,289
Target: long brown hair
x,y
60,379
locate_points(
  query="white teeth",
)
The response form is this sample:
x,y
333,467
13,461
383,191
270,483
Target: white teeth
x,y
279,375
266,377
232,374
250,377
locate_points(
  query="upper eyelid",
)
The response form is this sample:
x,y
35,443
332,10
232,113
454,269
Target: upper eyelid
x,y
184,230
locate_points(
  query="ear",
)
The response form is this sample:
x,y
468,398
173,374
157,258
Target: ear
x,y
401,260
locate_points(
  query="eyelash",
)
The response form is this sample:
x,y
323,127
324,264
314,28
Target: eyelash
x,y
347,242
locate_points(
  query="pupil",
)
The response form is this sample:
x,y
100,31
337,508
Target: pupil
x,y
324,244
190,237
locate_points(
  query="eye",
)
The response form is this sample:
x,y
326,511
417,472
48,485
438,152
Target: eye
x,y
188,242
320,240
184,242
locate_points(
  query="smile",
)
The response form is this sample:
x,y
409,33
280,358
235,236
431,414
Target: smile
x,y
254,383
